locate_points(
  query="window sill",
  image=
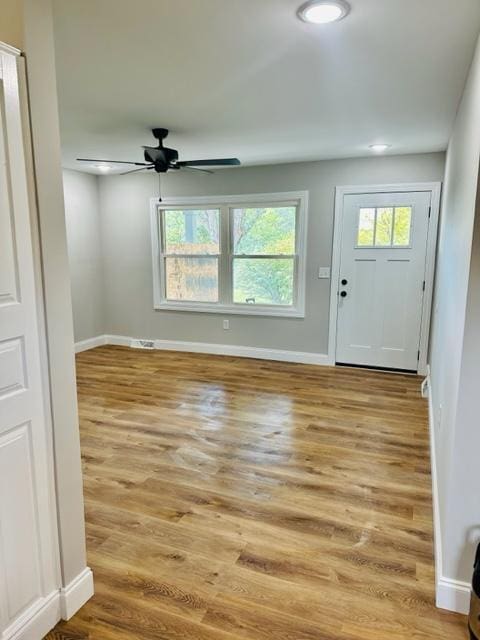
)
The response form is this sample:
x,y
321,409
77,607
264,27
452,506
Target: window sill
x,y
230,309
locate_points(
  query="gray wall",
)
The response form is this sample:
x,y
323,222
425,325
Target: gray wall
x,y
85,253
454,357
124,204
11,24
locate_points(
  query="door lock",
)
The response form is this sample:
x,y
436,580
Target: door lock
x,y
343,294
344,282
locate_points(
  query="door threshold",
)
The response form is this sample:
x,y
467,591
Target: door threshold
x,y
408,372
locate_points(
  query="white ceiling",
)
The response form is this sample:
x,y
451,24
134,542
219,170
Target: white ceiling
x,y
247,78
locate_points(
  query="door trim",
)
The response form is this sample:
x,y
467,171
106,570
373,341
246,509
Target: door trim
x,y
435,189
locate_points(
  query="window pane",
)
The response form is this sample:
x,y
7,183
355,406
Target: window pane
x,y
383,229
263,281
268,231
192,231
402,226
366,228
192,279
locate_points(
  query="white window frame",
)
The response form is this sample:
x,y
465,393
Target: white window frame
x,y
226,204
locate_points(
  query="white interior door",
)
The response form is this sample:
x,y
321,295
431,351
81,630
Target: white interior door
x,y
28,560
381,283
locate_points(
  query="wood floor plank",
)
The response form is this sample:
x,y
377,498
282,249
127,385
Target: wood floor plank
x,y
235,499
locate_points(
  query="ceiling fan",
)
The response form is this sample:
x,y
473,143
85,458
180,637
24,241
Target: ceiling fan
x,y
163,159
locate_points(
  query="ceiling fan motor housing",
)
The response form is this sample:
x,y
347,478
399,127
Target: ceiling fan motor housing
x,y
162,157
159,133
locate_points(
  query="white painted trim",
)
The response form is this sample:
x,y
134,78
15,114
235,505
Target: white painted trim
x,y
240,199
430,261
36,621
452,595
224,309
340,192
301,198
230,350
76,594
7,48
90,343
302,357
437,528
44,613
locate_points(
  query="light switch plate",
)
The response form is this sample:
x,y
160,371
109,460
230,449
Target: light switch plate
x,y
324,272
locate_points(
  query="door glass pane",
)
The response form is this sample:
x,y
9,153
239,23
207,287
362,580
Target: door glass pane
x,y
267,231
191,231
263,281
383,228
192,279
366,228
402,226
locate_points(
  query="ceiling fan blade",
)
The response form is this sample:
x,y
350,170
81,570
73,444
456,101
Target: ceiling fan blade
x,y
143,164
217,162
196,169
125,173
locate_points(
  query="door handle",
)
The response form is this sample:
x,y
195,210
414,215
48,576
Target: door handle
x,y
344,282
343,294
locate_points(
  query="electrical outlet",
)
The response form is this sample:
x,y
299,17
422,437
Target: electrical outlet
x,y
226,324
324,273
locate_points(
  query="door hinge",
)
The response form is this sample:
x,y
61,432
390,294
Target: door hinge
x,y
418,356
429,212
423,285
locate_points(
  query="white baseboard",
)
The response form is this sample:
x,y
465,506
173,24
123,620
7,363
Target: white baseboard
x,y
42,615
90,343
452,595
76,594
243,352
302,357
36,621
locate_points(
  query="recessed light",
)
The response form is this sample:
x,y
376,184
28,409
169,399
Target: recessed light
x,y
323,11
379,148
102,167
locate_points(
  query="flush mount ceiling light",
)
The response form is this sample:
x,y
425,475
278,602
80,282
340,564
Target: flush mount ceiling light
x,y
379,148
104,168
323,11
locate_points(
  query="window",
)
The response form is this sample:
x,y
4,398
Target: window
x,y
264,255
191,249
235,254
384,227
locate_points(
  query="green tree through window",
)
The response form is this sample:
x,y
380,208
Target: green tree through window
x,y
264,232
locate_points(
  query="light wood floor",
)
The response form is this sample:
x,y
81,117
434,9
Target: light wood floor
x,y
231,499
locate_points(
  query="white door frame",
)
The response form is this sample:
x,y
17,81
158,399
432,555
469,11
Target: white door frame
x,y
435,189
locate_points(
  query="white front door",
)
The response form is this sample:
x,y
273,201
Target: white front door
x,y
28,556
381,283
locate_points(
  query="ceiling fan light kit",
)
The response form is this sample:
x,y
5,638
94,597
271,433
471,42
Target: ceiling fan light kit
x,y
162,159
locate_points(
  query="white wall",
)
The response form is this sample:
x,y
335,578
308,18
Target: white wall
x,y
463,499
124,204
82,217
455,361
38,43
